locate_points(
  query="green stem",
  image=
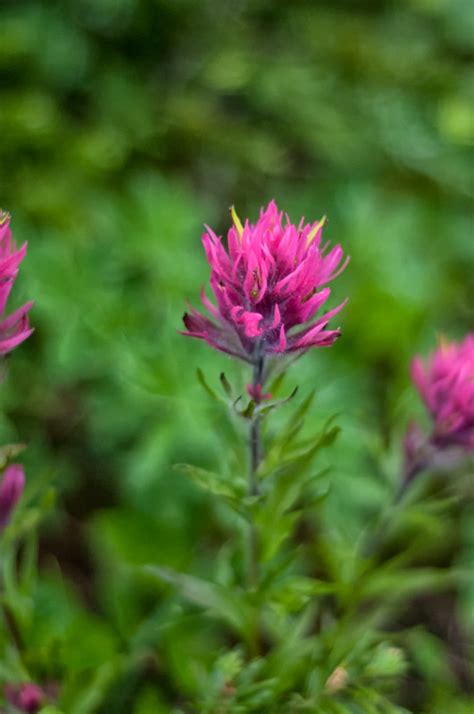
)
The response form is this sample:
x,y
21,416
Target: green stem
x,y
255,448
255,435
377,535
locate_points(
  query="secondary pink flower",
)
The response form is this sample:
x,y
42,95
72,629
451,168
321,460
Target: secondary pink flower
x,y
271,280
27,697
11,489
15,328
446,385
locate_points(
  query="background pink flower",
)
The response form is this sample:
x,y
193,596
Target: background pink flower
x,y
271,280
15,328
446,385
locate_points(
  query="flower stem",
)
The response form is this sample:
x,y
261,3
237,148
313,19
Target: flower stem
x,y
255,449
255,435
377,535
255,455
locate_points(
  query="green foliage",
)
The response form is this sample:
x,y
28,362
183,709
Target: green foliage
x,y
218,600
124,126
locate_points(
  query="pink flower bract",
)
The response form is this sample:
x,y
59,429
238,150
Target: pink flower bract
x,y
256,393
271,280
446,385
11,490
15,328
26,697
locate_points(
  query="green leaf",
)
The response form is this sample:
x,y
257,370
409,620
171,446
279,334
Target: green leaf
x,y
386,661
148,701
287,488
288,659
221,602
91,696
212,482
203,382
225,385
224,673
277,382
263,409
9,452
299,458
401,584
293,592
301,411
286,436
430,656
230,664
249,410
274,531
260,694
28,565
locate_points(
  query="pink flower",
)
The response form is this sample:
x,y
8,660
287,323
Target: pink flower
x,y
15,328
27,697
11,489
271,280
446,385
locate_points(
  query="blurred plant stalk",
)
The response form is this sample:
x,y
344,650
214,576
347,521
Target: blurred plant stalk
x,y
255,456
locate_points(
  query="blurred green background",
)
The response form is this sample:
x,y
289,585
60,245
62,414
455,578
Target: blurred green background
x,y
127,124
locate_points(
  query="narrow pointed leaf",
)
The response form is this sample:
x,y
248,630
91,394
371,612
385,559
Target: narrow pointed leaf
x,y
225,384
218,600
212,482
202,381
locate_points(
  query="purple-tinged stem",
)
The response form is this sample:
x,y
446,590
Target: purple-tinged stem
x,y
255,435
409,472
255,448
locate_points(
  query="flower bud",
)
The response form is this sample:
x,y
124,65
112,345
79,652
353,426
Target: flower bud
x,y
338,680
26,697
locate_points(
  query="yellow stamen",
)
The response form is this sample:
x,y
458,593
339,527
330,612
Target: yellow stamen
x,y
236,221
443,342
315,230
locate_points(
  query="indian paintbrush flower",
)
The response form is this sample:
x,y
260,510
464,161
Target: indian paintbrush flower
x,y
15,328
446,385
269,285
11,489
